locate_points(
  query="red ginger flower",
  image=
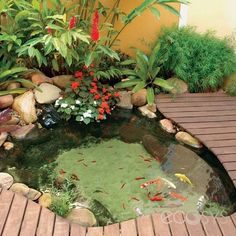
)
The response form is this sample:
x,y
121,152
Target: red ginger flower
x,y
101,111
78,74
97,96
72,23
95,30
105,105
100,117
75,85
93,90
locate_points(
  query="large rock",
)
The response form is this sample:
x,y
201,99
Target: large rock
x,y
22,132
49,93
82,216
146,112
188,139
20,188
45,200
6,180
25,106
179,86
125,100
33,194
3,137
139,98
39,78
168,126
6,101
62,81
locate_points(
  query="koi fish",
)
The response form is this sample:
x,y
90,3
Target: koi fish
x,y
62,172
178,196
154,181
136,199
75,177
157,198
123,185
170,184
139,178
183,178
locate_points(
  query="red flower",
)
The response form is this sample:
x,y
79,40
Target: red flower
x,y
78,74
100,117
75,85
95,30
49,30
101,111
93,90
72,22
85,67
97,96
105,105
108,95
93,84
95,79
91,73
92,65
104,90
116,94
108,110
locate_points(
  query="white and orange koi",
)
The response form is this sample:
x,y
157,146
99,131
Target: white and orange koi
x,y
157,181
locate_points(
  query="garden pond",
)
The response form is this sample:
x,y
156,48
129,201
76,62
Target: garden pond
x,y
121,168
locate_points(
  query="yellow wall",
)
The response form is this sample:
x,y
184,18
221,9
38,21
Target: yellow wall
x,y
219,15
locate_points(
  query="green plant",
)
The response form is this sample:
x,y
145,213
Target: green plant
x,y
201,60
215,209
145,74
86,98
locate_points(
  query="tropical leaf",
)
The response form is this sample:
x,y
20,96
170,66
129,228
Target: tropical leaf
x,y
13,91
163,84
139,86
127,83
150,95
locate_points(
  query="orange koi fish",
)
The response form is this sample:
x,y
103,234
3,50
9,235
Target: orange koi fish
x,y
157,198
157,181
178,196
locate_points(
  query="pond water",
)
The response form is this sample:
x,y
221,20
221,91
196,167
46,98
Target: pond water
x,y
109,162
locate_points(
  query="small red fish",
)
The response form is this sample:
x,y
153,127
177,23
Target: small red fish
x,y
62,172
85,165
154,181
136,199
93,161
148,159
157,198
80,160
178,196
123,185
139,178
75,177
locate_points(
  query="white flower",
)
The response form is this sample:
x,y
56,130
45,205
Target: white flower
x,y
72,107
89,111
57,103
59,98
86,114
64,105
95,103
81,118
77,102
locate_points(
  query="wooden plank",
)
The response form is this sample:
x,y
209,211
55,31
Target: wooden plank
x,y
224,150
203,119
6,198
15,216
113,230
62,227
212,137
161,225
144,225
226,225
227,158
77,230
30,221
233,218
197,99
193,224
216,94
177,225
230,166
216,124
232,174
221,143
213,130
210,226
128,228
95,231
46,223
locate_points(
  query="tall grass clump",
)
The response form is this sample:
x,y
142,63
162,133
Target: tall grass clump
x,y
201,60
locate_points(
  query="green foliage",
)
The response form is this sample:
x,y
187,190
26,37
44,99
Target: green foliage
x,y
146,74
215,209
201,60
86,98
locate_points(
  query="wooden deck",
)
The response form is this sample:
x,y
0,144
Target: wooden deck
x,y
22,217
211,118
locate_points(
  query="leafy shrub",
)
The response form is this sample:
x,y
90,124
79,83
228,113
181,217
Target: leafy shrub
x,y
86,98
201,60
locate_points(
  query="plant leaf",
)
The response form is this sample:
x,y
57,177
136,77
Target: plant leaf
x,y
150,96
163,84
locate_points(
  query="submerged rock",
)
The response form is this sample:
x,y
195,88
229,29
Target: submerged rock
x,y
45,200
6,180
22,132
3,137
146,112
49,93
188,139
82,216
8,146
25,106
168,126
6,101
125,100
139,98
20,188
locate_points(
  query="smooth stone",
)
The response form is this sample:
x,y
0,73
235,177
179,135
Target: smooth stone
x,y
33,194
50,93
45,200
168,126
62,81
146,112
6,101
82,216
22,132
125,100
3,137
179,86
6,180
39,78
188,139
13,121
154,147
139,98
20,188
152,107
25,106
8,146
13,85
